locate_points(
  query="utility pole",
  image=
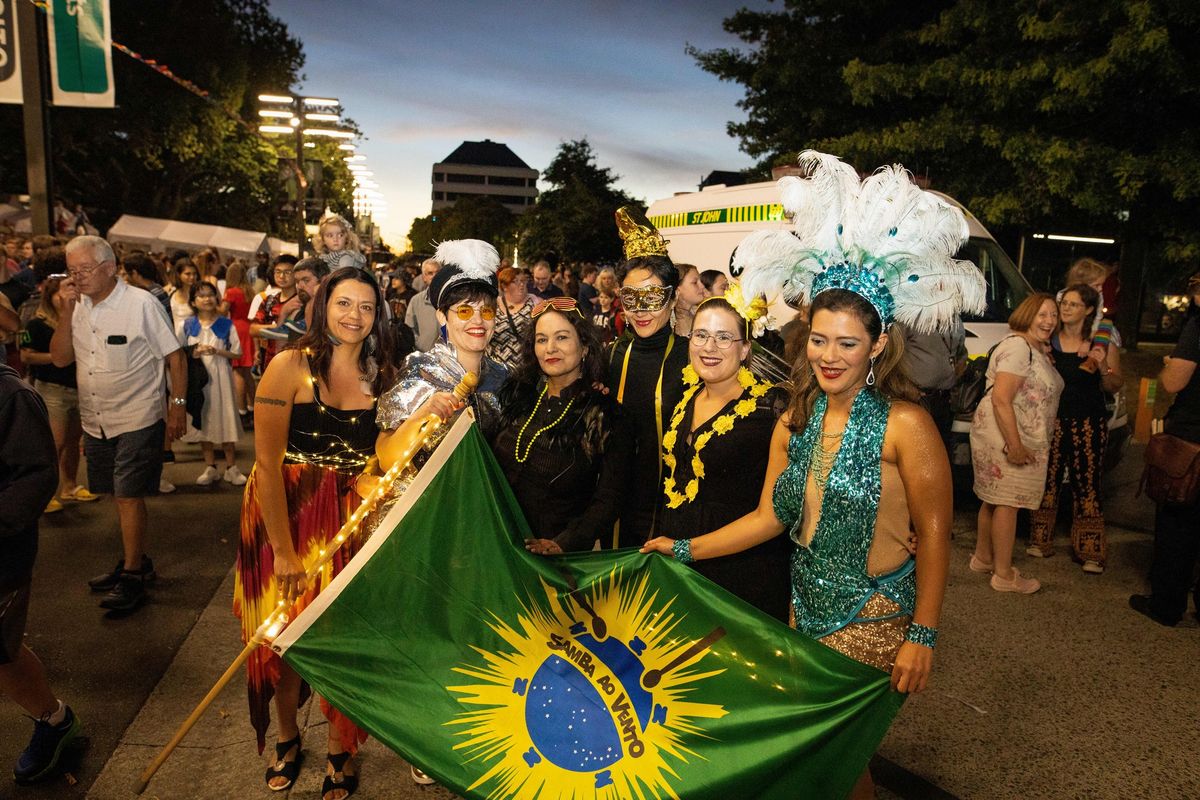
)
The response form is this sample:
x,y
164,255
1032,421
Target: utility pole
x,y
34,82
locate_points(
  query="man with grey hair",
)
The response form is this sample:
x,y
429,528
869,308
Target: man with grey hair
x,y
421,316
118,339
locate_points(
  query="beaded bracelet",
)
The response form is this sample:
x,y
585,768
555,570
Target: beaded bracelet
x,y
922,635
683,551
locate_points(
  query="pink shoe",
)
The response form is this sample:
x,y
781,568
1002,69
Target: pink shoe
x,y
980,566
1016,583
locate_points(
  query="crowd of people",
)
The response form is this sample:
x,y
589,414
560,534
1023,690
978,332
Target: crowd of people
x,y
623,404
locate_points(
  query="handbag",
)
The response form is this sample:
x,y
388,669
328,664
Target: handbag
x,y
972,384
1172,472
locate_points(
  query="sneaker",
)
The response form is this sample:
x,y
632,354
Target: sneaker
x,y
165,486
278,333
297,327
106,582
1036,552
1142,604
234,476
979,566
128,595
1093,567
209,475
420,778
53,506
1016,583
79,495
45,748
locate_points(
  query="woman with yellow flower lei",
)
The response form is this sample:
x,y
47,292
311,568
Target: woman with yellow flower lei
x,y
715,451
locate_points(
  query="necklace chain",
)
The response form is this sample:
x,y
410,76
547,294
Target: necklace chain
x,y
529,446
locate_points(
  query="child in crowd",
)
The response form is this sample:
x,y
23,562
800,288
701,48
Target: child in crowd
x,y
337,244
212,338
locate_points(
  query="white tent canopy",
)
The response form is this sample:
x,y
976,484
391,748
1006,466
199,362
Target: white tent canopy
x,y
163,235
279,246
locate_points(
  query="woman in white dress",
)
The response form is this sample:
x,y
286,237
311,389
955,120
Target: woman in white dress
x,y
1010,438
213,339
186,276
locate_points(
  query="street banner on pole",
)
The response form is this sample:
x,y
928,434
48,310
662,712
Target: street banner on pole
x,y
601,675
80,33
10,62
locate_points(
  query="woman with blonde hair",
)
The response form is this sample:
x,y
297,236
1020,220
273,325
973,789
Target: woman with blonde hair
x,y
336,243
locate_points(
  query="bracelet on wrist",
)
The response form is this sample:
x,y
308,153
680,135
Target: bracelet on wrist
x,y
682,549
922,635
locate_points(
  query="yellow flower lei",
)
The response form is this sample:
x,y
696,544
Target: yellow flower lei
x,y
722,425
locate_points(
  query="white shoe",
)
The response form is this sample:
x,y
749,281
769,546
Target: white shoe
x,y
1018,583
234,476
209,475
1093,567
419,777
165,486
1036,552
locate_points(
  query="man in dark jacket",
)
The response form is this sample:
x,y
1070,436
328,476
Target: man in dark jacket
x,y
28,479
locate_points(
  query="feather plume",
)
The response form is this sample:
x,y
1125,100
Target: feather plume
x,y
818,202
767,263
477,259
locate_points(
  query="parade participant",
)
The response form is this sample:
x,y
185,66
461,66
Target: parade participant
x,y
559,442
1080,434
854,460
689,293
315,431
464,293
337,244
716,447
210,337
512,319
645,368
1010,438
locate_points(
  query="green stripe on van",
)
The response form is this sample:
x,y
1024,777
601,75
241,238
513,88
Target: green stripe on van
x,y
713,216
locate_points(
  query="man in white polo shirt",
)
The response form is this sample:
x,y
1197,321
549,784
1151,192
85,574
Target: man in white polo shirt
x,y
118,338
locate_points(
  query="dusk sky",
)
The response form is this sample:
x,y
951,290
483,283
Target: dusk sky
x,y
421,77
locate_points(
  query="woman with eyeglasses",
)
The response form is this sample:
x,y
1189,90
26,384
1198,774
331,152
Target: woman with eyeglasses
x,y
1080,431
645,372
560,442
715,451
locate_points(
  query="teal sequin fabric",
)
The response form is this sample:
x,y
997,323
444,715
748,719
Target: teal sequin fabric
x,y
830,584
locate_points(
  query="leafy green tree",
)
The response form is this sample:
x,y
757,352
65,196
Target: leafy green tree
x,y
1028,112
471,217
573,220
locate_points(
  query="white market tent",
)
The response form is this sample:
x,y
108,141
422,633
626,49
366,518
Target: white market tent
x,y
164,235
279,246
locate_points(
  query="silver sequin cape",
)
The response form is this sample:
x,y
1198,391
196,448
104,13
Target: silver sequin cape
x,y
434,371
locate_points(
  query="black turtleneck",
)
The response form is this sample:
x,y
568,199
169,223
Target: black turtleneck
x,y
646,363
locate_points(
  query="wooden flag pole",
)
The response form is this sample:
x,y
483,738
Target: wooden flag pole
x,y
277,619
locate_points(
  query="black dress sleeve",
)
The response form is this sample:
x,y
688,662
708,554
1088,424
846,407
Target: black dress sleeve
x,y
612,487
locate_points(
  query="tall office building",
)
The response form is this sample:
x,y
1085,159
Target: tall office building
x,y
485,168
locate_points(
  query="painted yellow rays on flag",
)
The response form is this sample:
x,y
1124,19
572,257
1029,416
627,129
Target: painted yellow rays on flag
x,y
592,699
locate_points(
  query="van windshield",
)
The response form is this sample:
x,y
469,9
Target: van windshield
x,y
1006,287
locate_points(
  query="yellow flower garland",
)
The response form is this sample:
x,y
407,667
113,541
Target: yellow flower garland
x,y
722,425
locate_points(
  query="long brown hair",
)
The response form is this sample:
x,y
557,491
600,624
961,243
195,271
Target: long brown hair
x,y
890,378
319,345
46,310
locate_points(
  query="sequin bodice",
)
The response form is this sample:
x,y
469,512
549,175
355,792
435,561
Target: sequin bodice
x,y
830,582
439,371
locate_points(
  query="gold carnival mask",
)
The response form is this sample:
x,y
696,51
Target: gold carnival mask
x,y
647,298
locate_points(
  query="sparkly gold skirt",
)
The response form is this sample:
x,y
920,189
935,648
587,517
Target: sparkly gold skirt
x,y
874,643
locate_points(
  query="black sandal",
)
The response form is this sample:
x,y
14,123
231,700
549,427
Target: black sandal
x,y
347,783
285,769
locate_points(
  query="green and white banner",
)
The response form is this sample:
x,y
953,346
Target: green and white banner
x,y
80,39
594,675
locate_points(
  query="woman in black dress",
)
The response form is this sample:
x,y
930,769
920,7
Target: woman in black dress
x,y
645,369
559,442
715,452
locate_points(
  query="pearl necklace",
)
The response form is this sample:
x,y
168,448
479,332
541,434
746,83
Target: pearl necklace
x,y
529,447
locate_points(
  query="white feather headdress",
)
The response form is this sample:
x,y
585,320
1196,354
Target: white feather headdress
x,y
883,238
477,259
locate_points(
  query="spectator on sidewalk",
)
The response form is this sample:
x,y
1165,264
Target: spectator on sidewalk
x,y
119,340
337,245
275,309
181,288
543,287
236,305
420,315
1176,543
587,288
28,476
933,361
58,391
141,272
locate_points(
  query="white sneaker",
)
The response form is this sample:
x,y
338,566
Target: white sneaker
x,y
1017,583
420,777
209,475
234,476
1036,552
165,486
1093,567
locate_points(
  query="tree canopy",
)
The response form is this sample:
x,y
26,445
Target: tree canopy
x,y
471,217
1027,112
573,220
165,152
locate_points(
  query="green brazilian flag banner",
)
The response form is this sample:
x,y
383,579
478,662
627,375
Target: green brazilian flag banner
x,y
611,675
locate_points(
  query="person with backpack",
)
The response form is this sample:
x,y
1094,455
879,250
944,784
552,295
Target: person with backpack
x,y
1010,438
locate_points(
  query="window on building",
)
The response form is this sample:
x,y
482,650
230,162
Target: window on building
x,y
456,178
499,180
439,177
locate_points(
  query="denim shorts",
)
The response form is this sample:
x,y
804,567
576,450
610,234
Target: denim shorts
x,y
127,465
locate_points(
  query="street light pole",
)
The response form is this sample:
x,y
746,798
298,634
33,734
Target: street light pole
x,y
301,178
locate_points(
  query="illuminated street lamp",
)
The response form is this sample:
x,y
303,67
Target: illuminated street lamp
x,y
291,115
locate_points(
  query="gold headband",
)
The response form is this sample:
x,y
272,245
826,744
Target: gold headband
x,y
639,236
